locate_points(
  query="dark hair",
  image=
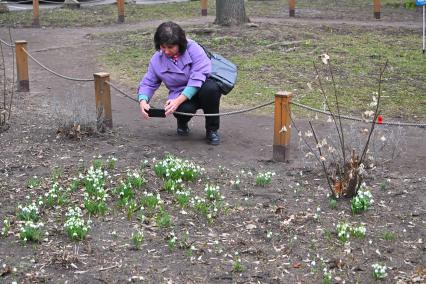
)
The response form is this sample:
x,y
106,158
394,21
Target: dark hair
x,y
170,33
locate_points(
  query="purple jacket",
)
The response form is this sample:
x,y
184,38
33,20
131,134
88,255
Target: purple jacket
x,y
191,70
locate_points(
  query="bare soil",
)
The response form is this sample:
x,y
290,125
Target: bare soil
x,y
301,244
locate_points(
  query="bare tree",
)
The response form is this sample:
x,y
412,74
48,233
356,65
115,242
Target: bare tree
x,y
230,12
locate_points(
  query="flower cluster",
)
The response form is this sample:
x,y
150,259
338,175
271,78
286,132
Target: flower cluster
x,y
6,228
95,194
358,232
236,264
207,208
55,196
171,240
327,277
175,168
264,179
172,185
149,201
131,206
111,161
379,271
31,231
344,230
236,183
97,162
135,179
29,213
94,179
124,192
213,193
74,225
33,182
163,219
362,201
182,197
137,239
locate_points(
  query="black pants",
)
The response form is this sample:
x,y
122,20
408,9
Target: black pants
x,y
208,99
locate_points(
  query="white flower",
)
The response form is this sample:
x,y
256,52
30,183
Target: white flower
x,y
325,58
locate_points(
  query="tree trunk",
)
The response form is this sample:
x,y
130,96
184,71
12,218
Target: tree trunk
x,y
3,8
230,12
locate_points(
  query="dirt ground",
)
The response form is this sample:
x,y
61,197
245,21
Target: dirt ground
x,y
278,231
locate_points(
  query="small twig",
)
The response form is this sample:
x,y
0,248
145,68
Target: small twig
x,y
322,162
376,114
4,77
338,111
109,267
303,138
13,78
329,108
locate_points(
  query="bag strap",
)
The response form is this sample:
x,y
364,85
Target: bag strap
x,y
208,53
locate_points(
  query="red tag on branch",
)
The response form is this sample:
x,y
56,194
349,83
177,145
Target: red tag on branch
x,y
379,119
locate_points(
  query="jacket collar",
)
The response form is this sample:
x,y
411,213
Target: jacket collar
x,y
168,66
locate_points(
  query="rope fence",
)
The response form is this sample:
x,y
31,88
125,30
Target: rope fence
x,y
103,85
6,43
271,102
115,87
392,123
55,73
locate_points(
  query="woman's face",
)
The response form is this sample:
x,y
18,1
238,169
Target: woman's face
x,y
170,49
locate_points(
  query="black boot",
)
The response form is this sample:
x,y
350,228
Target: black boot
x,y
213,137
182,129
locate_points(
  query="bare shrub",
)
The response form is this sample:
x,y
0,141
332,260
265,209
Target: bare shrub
x,y
72,116
343,162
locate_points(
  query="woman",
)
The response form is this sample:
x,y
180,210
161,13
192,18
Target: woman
x,y
183,66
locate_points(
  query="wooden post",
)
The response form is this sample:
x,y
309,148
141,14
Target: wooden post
x,y
204,5
376,4
282,127
36,20
120,7
103,101
23,81
292,7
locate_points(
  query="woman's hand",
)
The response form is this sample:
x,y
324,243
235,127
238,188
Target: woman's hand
x,y
172,105
144,108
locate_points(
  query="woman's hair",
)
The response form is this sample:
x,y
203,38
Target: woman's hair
x,y
170,33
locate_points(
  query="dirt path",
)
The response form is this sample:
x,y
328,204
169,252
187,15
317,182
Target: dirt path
x,y
73,52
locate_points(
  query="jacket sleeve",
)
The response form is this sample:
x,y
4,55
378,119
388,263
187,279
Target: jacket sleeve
x,y
201,66
149,83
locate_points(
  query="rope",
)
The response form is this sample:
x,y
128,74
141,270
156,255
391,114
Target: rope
x,y
89,2
120,91
5,43
31,2
18,2
269,103
358,119
225,113
55,73
196,114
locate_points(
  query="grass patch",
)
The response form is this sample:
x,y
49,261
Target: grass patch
x,y
389,236
102,15
280,57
